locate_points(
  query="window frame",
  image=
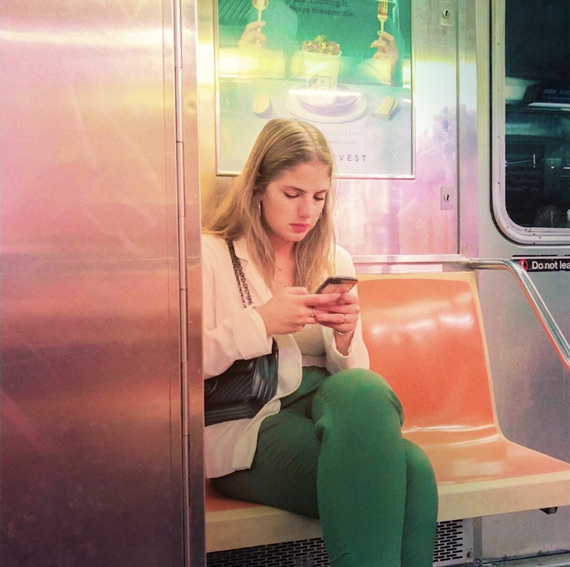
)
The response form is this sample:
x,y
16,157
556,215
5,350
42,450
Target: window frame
x,y
513,231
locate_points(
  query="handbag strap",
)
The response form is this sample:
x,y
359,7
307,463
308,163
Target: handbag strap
x,y
240,276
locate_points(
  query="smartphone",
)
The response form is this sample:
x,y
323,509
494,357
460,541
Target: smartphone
x,y
337,284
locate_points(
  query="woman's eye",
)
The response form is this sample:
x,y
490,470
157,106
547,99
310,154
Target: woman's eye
x,y
319,198
291,195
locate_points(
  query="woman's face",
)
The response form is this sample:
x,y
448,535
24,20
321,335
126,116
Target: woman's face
x,y
293,202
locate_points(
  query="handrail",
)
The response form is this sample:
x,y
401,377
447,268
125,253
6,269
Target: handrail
x,y
532,295
534,298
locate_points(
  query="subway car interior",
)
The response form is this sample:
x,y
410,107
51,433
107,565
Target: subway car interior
x,y
121,125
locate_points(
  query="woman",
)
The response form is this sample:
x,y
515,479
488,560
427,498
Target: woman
x,y
329,444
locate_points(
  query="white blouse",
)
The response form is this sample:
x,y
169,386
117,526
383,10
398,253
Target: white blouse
x,y
232,332
311,344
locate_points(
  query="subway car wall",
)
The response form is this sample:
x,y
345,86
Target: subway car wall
x,y
530,46
94,329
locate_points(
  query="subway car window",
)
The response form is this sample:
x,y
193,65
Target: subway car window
x,y
536,185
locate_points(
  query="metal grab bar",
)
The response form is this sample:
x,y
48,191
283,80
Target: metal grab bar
x,y
534,298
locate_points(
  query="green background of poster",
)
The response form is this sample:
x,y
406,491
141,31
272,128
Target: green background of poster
x,y
369,119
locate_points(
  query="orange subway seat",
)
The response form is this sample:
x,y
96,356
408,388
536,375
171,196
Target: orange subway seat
x,y
425,336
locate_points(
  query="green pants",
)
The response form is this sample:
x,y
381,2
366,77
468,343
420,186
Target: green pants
x,y
335,451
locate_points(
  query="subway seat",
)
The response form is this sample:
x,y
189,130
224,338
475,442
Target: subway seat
x,y
425,336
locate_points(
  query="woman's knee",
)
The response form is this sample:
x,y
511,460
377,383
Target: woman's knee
x,y
419,467
361,391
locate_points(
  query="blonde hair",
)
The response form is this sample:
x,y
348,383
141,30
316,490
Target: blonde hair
x,y
281,145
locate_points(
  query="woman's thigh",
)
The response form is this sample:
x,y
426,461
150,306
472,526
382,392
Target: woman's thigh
x,y
284,471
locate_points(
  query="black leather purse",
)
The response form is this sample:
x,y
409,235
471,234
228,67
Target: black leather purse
x,y
247,385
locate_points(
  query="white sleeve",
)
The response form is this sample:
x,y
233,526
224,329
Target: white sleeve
x,y
230,331
357,354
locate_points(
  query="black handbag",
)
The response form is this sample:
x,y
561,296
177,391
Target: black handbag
x,y
247,385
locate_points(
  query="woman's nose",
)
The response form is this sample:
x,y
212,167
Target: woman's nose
x,y
306,208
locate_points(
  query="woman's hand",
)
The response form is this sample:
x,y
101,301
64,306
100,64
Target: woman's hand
x,y
386,57
292,308
252,35
341,316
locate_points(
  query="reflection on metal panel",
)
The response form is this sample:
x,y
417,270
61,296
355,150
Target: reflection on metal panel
x,y
90,314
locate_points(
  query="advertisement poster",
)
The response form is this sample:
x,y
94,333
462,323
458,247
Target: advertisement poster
x,y
342,65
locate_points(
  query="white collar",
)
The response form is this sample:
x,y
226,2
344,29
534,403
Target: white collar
x,y
252,275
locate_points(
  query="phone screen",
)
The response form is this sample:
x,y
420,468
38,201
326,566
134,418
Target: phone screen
x,y
337,284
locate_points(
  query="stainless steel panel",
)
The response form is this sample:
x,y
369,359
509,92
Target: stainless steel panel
x,y
91,430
